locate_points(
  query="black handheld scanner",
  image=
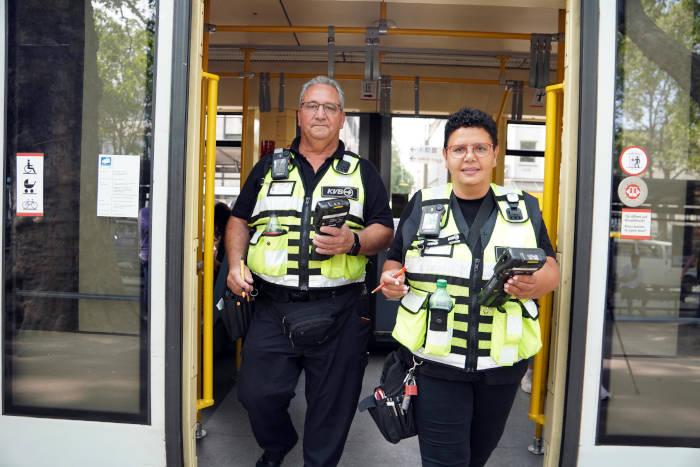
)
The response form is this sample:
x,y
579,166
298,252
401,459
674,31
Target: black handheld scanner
x,y
329,212
512,261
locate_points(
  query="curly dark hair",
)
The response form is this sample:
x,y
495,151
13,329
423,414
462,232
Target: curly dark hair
x,y
468,117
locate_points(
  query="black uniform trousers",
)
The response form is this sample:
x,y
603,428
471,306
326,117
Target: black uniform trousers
x,y
460,422
333,371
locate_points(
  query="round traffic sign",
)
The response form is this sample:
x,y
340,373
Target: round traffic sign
x,y
632,191
633,160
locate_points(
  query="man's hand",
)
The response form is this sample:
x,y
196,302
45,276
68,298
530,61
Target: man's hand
x,y
236,283
336,241
394,287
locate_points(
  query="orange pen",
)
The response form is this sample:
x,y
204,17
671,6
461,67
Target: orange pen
x,y
395,275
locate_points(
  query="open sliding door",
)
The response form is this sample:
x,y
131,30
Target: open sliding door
x,y
85,133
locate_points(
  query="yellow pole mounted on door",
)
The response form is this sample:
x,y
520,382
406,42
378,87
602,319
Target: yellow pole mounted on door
x,y
550,210
200,195
207,399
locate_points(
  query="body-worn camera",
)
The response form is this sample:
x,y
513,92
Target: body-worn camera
x,y
512,261
329,213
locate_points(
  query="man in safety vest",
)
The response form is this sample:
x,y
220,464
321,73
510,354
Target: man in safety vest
x,y
473,360
311,310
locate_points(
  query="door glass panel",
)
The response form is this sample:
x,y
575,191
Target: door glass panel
x,y
651,357
76,215
416,158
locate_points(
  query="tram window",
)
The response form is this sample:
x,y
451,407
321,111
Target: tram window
x,y
75,301
524,161
416,157
227,184
350,133
651,343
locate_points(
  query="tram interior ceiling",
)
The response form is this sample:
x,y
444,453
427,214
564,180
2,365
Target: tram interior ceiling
x,y
474,57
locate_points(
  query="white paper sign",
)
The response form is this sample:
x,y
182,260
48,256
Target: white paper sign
x,y
118,186
369,90
538,97
30,184
636,224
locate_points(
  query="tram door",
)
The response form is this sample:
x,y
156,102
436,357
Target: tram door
x,y
635,299
85,88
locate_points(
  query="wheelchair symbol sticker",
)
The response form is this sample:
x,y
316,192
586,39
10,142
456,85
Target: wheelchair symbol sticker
x,y
29,183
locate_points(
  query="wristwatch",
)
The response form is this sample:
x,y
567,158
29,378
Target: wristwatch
x,y
355,248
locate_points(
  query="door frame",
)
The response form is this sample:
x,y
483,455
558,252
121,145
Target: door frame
x,y
597,101
78,442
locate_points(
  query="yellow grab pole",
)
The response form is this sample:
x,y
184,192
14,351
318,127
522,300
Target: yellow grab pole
x,y
363,31
207,399
200,192
549,216
424,79
501,107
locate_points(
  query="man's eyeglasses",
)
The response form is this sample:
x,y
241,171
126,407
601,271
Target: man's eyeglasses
x,y
312,107
459,151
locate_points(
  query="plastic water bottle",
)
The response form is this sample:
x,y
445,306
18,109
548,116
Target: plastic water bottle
x,y
438,339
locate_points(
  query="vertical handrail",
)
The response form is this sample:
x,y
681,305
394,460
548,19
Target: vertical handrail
x,y
550,213
207,399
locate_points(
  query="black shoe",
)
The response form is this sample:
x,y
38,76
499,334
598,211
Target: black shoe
x,y
264,462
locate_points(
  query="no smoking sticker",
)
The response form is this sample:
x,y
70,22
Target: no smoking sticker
x,y
633,160
633,191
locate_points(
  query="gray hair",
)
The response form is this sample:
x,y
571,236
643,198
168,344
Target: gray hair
x,y
323,80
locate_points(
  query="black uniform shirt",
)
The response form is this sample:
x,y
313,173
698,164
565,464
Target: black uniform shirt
x,y
376,207
500,375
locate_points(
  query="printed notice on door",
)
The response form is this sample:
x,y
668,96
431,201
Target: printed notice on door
x,y
636,224
30,184
118,186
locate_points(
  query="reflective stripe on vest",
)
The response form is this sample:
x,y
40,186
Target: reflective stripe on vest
x,y
276,258
453,262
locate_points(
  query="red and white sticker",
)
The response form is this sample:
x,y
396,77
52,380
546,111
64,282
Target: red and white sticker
x,y
632,191
633,160
636,224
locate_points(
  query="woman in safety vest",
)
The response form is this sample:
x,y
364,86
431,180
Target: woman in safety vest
x,y
471,356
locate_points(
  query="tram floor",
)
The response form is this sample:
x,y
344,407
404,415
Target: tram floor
x,y
230,443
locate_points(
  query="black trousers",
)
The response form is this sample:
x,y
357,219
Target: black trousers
x,y
459,423
333,370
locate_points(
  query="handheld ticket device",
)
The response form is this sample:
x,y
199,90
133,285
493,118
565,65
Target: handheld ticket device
x,y
329,212
512,261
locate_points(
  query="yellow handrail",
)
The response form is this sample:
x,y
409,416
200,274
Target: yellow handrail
x,y
207,399
550,211
358,77
363,30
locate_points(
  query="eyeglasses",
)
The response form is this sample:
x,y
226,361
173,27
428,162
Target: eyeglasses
x,y
459,151
312,108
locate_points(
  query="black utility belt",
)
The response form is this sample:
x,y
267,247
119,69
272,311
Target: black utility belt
x,y
279,293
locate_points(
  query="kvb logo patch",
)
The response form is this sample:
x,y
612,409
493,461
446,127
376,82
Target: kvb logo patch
x,y
339,192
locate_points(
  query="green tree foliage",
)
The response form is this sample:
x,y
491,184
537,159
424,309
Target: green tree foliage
x,y
654,107
125,35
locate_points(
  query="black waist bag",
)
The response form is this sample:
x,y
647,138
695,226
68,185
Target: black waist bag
x,y
312,323
393,422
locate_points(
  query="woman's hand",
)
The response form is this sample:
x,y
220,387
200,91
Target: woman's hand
x,y
394,287
536,285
